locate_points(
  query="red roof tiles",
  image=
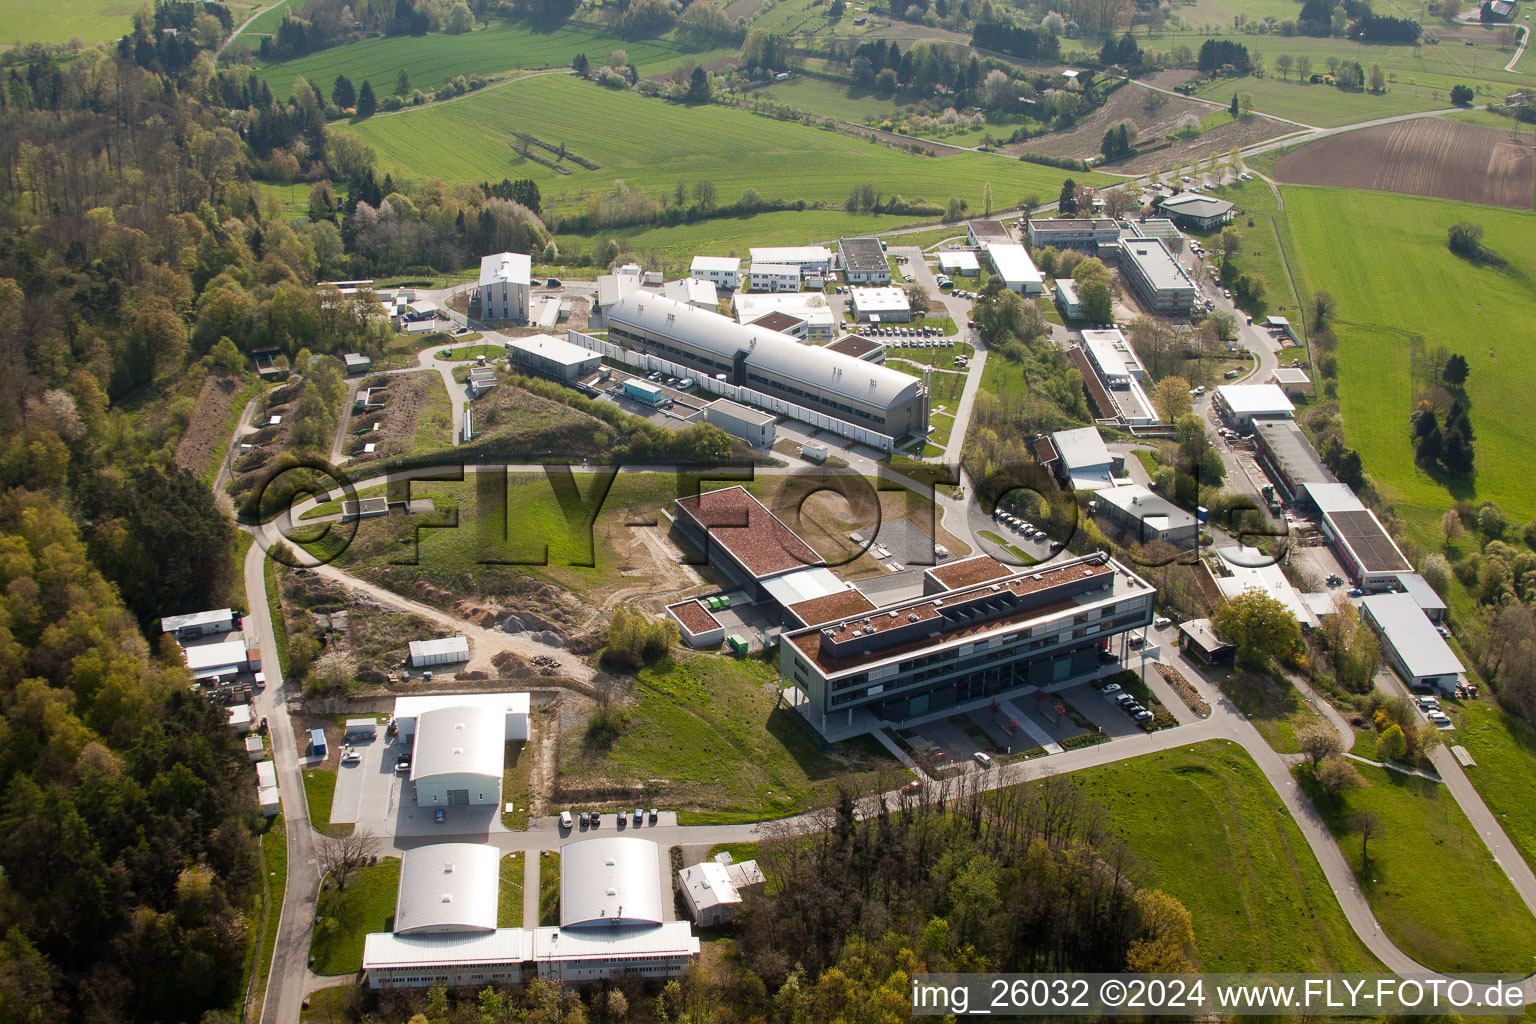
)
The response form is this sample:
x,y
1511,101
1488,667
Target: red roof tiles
x,y
742,526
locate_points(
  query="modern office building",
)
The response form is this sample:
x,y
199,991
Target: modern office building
x,y
1155,277
1067,301
981,233
1244,405
880,305
543,355
696,291
740,537
1011,262
881,400
901,661
1196,210
773,277
1073,233
1146,515
811,259
504,286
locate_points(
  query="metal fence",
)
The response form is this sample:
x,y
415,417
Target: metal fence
x,y
645,362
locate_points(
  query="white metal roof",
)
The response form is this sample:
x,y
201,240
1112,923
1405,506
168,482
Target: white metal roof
x,y
1114,354
1334,498
879,300
958,260
442,645
716,264
266,774
209,657
1255,399
746,414
708,885
496,703
459,741
805,585
694,290
1410,633
558,350
1156,511
240,714
1013,264
674,938
1252,569
812,307
613,287
448,887
511,267
504,946
1193,204
1081,448
1418,588
610,879
171,623
823,371
775,269
795,254
1290,375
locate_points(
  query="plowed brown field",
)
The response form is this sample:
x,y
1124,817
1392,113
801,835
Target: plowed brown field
x,y
1426,157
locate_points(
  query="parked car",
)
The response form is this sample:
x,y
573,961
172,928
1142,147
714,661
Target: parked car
x,y
1144,715
565,819
596,819
1110,688
439,816
912,787
983,758
1161,622
1124,699
553,282
582,819
639,815
350,756
403,763
651,814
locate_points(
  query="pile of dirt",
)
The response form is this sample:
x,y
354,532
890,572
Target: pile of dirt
x,y
407,398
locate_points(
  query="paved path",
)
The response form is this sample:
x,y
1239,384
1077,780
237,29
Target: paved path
x,y
530,890
1525,35
243,26
287,981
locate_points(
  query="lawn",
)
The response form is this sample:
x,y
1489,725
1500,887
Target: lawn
x,y
1206,826
468,141
1324,105
1399,288
509,906
274,859
1275,709
1505,751
517,782
1260,254
1023,557
1432,883
707,734
267,22
505,45
58,21
343,919
474,352
738,851
549,887
319,789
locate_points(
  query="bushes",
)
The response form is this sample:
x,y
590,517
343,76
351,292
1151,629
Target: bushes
x,y
633,641
604,727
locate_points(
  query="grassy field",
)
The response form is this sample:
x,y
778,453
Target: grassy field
x,y
1505,751
1474,921
509,907
343,919
58,21
1323,105
1275,709
707,732
267,22
1203,824
549,887
474,351
1256,224
504,46
319,789
1397,285
468,140
274,853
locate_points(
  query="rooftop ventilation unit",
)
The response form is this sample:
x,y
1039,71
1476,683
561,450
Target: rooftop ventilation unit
x,y
912,616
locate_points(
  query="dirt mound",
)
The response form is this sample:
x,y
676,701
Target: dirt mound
x,y
203,440
1426,157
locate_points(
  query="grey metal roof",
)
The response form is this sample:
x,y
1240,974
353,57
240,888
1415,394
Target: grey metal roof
x,y
512,267
863,254
830,373
1192,204
1408,630
1418,588
1156,263
171,623
1081,448
610,881
448,887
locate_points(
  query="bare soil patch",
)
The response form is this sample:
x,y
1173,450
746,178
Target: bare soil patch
x,y
1243,132
1426,157
203,441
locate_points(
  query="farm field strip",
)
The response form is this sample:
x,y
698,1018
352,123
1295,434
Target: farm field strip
x,y
505,46
55,21
468,141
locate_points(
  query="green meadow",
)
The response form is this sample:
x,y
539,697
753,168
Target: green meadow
x,y
59,21
1205,825
504,46
651,145
1399,287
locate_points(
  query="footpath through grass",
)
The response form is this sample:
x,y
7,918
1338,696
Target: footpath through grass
x,y
1205,825
274,882
1433,885
1401,291
344,918
1505,751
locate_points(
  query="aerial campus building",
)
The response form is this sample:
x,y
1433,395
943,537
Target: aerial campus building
x,y
988,631
880,400
864,261
1073,233
1155,277
458,744
723,272
544,355
504,286
612,920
